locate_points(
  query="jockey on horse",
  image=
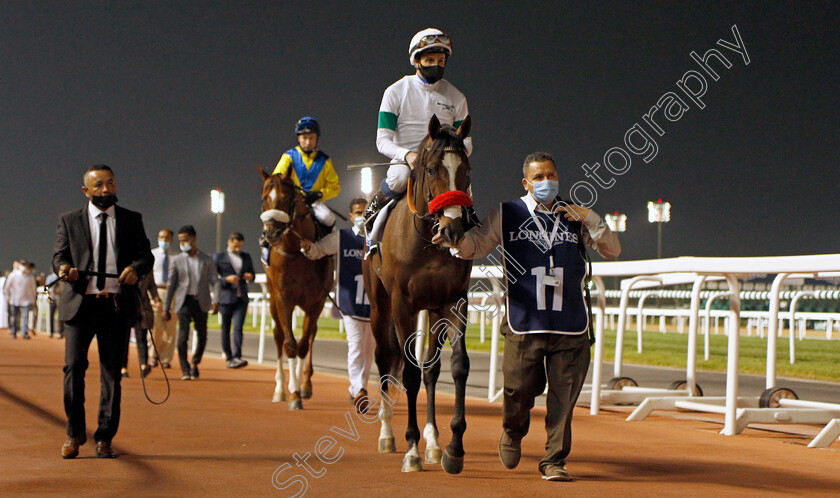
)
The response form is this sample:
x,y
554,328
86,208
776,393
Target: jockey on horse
x,y
313,171
405,111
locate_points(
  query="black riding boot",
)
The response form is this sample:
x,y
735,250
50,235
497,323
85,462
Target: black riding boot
x,y
378,202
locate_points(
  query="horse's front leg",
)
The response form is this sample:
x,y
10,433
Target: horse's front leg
x,y
405,322
280,393
431,372
453,458
284,323
307,341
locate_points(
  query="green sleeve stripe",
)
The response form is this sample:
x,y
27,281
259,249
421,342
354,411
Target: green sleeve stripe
x,y
457,124
387,120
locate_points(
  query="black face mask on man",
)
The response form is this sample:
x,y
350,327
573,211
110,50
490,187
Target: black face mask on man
x,y
432,74
103,202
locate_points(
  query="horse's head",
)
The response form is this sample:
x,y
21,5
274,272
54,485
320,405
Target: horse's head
x,y
282,202
443,172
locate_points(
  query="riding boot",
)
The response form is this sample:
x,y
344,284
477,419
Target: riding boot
x,y
377,203
265,251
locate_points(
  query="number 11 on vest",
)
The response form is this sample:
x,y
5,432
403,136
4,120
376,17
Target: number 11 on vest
x,y
555,280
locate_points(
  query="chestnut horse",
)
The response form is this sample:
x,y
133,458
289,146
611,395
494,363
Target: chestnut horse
x,y
293,280
409,274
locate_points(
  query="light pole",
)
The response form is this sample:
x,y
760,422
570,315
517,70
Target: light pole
x,y
367,181
617,222
659,212
217,205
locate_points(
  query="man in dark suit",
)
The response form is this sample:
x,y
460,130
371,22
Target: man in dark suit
x,y
235,270
191,276
104,238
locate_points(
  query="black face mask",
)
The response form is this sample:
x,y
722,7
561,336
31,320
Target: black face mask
x,y
432,74
103,202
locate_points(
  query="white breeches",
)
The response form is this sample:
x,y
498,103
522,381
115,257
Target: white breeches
x,y
360,348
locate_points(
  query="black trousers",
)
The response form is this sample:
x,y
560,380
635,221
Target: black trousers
x,y
529,361
191,312
236,312
142,346
56,326
97,317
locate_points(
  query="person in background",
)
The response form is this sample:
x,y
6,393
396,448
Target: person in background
x,y
163,331
56,326
145,321
192,274
20,292
352,300
236,270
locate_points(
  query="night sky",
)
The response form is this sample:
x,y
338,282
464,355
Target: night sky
x,y
183,97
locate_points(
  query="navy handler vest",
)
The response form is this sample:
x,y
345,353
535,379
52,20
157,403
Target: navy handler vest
x,y
532,305
352,299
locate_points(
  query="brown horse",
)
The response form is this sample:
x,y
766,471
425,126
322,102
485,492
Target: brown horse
x,y
410,274
293,280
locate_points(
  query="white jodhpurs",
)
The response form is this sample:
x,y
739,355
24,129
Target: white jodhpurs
x,y
360,348
397,177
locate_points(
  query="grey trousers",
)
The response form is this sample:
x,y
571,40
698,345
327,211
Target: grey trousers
x,y
529,361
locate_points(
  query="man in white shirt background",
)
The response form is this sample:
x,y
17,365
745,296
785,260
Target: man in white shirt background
x,y
163,331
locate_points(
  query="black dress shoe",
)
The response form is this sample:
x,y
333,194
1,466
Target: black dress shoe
x,y
194,372
104,450
166,365
70,448
146,370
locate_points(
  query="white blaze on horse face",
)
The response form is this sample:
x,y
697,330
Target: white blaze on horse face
x,y
273,194
452,161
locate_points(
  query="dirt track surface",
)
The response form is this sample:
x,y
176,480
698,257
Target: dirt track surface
x,y
222,436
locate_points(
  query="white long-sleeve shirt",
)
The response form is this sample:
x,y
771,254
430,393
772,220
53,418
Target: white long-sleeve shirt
x,y
20,289
328,245
408,105
483,240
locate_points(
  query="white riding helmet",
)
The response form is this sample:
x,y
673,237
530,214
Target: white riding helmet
x,y
427,39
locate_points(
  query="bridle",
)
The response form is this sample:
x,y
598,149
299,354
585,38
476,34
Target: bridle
x,y
427,217
298,192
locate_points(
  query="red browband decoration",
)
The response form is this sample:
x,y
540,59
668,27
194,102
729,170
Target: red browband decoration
x,y
451,198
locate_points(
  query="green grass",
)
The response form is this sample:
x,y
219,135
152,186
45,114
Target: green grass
x,y
815,359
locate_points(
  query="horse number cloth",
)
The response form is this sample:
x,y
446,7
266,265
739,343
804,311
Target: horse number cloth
x,y
549,296
352,299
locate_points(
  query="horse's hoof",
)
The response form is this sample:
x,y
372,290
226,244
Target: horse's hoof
x,y
278,397
451,464
412,464
387,445
306,391
433,455
295,403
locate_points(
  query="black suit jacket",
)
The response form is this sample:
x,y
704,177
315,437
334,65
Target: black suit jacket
x,y
225,269
73,246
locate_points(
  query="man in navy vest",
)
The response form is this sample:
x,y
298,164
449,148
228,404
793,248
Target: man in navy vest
x,y
543,247
352,300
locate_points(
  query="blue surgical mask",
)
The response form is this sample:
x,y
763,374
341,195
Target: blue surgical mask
x,y
186,247
545,190
163,245
359,222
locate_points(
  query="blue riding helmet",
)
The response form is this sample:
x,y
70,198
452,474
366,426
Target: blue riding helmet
x,y
307,124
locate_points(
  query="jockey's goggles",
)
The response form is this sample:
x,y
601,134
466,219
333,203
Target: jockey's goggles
x,y
432,40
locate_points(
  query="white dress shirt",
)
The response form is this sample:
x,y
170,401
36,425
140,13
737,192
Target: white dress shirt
x,y
157,268
235,261
111,284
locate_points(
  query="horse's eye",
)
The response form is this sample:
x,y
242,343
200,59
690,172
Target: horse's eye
x,y
430,170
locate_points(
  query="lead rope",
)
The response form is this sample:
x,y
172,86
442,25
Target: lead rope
x,y
165,377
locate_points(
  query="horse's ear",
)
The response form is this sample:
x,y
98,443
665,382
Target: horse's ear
x,y
464,129
434,127
262,172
